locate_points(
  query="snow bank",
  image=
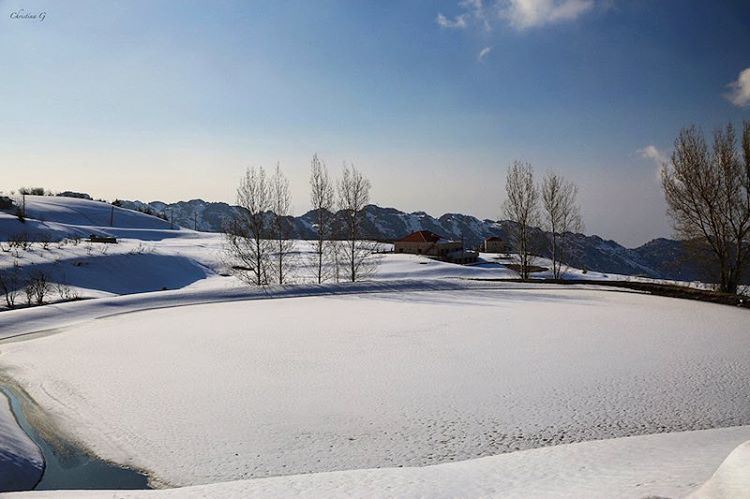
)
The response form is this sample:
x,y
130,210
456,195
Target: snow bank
x,y
230,391
731,480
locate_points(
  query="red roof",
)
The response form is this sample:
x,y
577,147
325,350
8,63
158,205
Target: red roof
x,y
421,236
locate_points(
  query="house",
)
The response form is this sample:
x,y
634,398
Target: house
x,y
494,244
428,243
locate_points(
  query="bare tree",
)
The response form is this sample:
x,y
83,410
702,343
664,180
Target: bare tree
x,y
247,233
522,208
65,292
41,286
281,229
708,197
322,200
10,283
37,288
561,215
29,291
354,195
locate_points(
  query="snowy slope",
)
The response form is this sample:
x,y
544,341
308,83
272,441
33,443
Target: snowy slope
x,y
53,218
732,479
82,212
149,255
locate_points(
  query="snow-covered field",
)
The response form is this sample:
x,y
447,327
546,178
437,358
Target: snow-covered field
x,y
474,388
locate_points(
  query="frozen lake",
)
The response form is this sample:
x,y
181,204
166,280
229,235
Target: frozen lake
x,y
228,391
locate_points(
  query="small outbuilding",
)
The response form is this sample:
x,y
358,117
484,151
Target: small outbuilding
x,y
494,244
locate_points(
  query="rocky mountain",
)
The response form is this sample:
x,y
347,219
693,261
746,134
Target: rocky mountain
x,y
660,258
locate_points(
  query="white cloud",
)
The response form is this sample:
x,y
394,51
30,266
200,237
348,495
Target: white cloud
x,y
654,154
484,53
739,94
524,14
458,22
660,158
474,12
520,14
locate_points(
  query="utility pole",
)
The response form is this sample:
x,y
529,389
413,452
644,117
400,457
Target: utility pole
x,y
112,217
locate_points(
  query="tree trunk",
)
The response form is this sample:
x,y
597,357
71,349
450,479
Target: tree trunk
x,y
555,267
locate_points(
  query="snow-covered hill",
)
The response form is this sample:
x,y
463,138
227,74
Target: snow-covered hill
x,y
52,240
53,218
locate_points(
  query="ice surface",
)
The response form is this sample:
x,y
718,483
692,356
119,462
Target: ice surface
x,y
21,462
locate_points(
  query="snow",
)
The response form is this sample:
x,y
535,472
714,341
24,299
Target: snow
x,y
434,377
732,479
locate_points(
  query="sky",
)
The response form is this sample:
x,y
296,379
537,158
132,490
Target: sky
x,y
158,100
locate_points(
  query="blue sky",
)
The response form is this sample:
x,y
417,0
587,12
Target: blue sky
x,y
432,100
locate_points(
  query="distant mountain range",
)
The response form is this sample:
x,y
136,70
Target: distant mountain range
x,y
660,258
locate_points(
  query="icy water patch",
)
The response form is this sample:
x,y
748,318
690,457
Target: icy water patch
x,y
21,462
64,466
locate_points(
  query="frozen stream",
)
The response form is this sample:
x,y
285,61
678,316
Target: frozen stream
x,y
29,461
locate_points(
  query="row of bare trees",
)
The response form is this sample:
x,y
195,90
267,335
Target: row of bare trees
x,y
553,205
259,236
340,249
36,287
256,234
